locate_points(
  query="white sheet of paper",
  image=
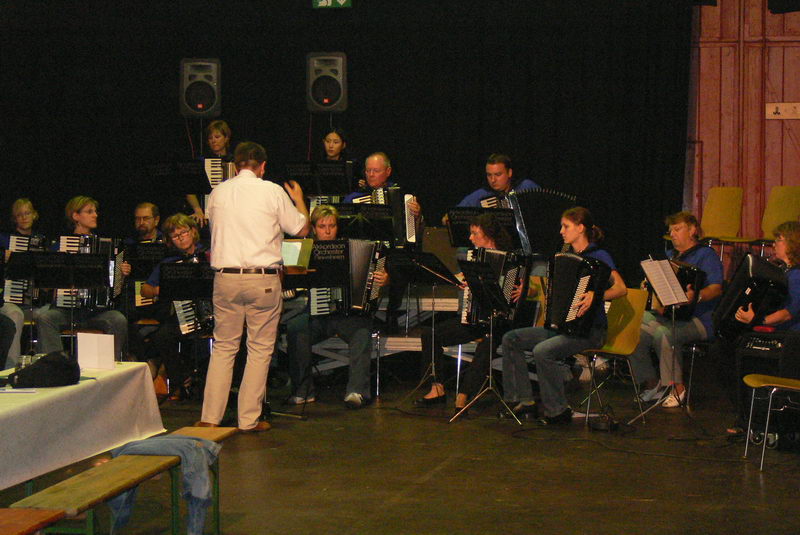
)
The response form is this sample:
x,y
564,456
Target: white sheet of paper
x,y
96,351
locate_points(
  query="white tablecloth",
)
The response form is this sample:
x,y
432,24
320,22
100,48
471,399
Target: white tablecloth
x,y
55,427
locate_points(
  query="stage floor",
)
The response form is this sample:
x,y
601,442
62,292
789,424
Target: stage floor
x,y
389,469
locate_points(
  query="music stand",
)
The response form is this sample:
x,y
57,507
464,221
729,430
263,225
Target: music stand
x,y
662,279
460,218
187,281
486,292
422,269
366,222
49,269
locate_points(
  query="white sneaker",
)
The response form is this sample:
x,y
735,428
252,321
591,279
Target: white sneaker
x,y
601,364
674,401
652,394
353,400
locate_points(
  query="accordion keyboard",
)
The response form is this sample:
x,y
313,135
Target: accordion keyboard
x,y
14,291
580,289
187,316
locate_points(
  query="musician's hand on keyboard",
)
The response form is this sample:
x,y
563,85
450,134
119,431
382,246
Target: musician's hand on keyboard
x,y
585,303
199,217
381,278
689,293
516,293
125,268
746,314
414,207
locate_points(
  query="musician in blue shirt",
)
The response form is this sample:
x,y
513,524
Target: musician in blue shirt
x,y
304,330
657,331
184,238
499,178
787,249
551,349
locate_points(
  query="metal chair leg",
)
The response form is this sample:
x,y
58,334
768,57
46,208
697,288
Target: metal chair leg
x,y
766,429
749,422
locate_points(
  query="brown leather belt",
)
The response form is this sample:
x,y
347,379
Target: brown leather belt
x,y
250,271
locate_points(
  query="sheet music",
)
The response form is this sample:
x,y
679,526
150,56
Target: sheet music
x,y
662,278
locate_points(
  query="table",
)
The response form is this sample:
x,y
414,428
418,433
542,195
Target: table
x,y
55,427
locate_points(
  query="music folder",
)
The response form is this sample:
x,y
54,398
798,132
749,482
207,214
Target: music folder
x,y
186,281
483,284
665,284
50,269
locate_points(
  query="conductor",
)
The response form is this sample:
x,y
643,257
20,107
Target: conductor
x,y
248,217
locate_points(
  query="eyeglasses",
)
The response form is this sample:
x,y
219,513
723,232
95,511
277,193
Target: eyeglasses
x,y
143,218
180,235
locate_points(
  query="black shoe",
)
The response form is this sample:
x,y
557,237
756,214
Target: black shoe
x,y
430,402
559,419
522,412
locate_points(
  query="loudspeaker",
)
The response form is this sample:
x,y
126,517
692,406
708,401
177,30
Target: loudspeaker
x,y
326,81
200,88
783,6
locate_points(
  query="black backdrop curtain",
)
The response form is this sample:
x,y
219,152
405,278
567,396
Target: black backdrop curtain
x,y
587,97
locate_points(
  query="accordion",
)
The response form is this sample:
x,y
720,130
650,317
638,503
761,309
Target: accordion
x,y
756,282
18,291
319,200
496,201
94,298
344,280
512,270
403,221
217,171
534,213
570,276
194,316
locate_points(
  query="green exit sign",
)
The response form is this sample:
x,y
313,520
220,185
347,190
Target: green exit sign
x,y
331,4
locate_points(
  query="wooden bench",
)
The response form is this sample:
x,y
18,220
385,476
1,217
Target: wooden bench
x,y
25,521
84,491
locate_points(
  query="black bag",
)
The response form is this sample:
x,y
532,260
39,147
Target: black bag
x,y
53,369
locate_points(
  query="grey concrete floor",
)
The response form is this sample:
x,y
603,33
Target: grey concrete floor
x,y
389,469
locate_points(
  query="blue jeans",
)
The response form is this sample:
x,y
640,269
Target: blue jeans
x,y
550,351
657,334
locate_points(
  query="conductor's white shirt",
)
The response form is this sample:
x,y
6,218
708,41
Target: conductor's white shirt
x,y
248,217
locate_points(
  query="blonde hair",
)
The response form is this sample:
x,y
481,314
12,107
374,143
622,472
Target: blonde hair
x,y
75,205
176,221
19,204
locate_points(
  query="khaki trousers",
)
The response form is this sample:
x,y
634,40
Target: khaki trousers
x,y
239,300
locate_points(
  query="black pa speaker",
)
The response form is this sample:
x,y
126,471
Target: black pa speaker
x,y
326,81
200,87
783,6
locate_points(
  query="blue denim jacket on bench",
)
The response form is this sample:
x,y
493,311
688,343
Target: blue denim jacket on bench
x,y
196,456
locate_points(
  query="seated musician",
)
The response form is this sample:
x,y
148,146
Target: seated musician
x,y
657,332
499,181
184,236
551,349
377,170
146,217
786,249
335,145
305,330
484,232
23,217
81,213
218,137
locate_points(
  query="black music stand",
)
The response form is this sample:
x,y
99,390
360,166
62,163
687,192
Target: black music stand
x,y
366,222
322,178
188,282
49,269
482,282
460,218
421,269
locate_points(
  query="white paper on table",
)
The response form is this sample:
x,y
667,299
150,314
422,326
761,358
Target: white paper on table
x,y
96,351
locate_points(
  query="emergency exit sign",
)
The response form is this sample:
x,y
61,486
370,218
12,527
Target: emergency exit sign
x,y
331,4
